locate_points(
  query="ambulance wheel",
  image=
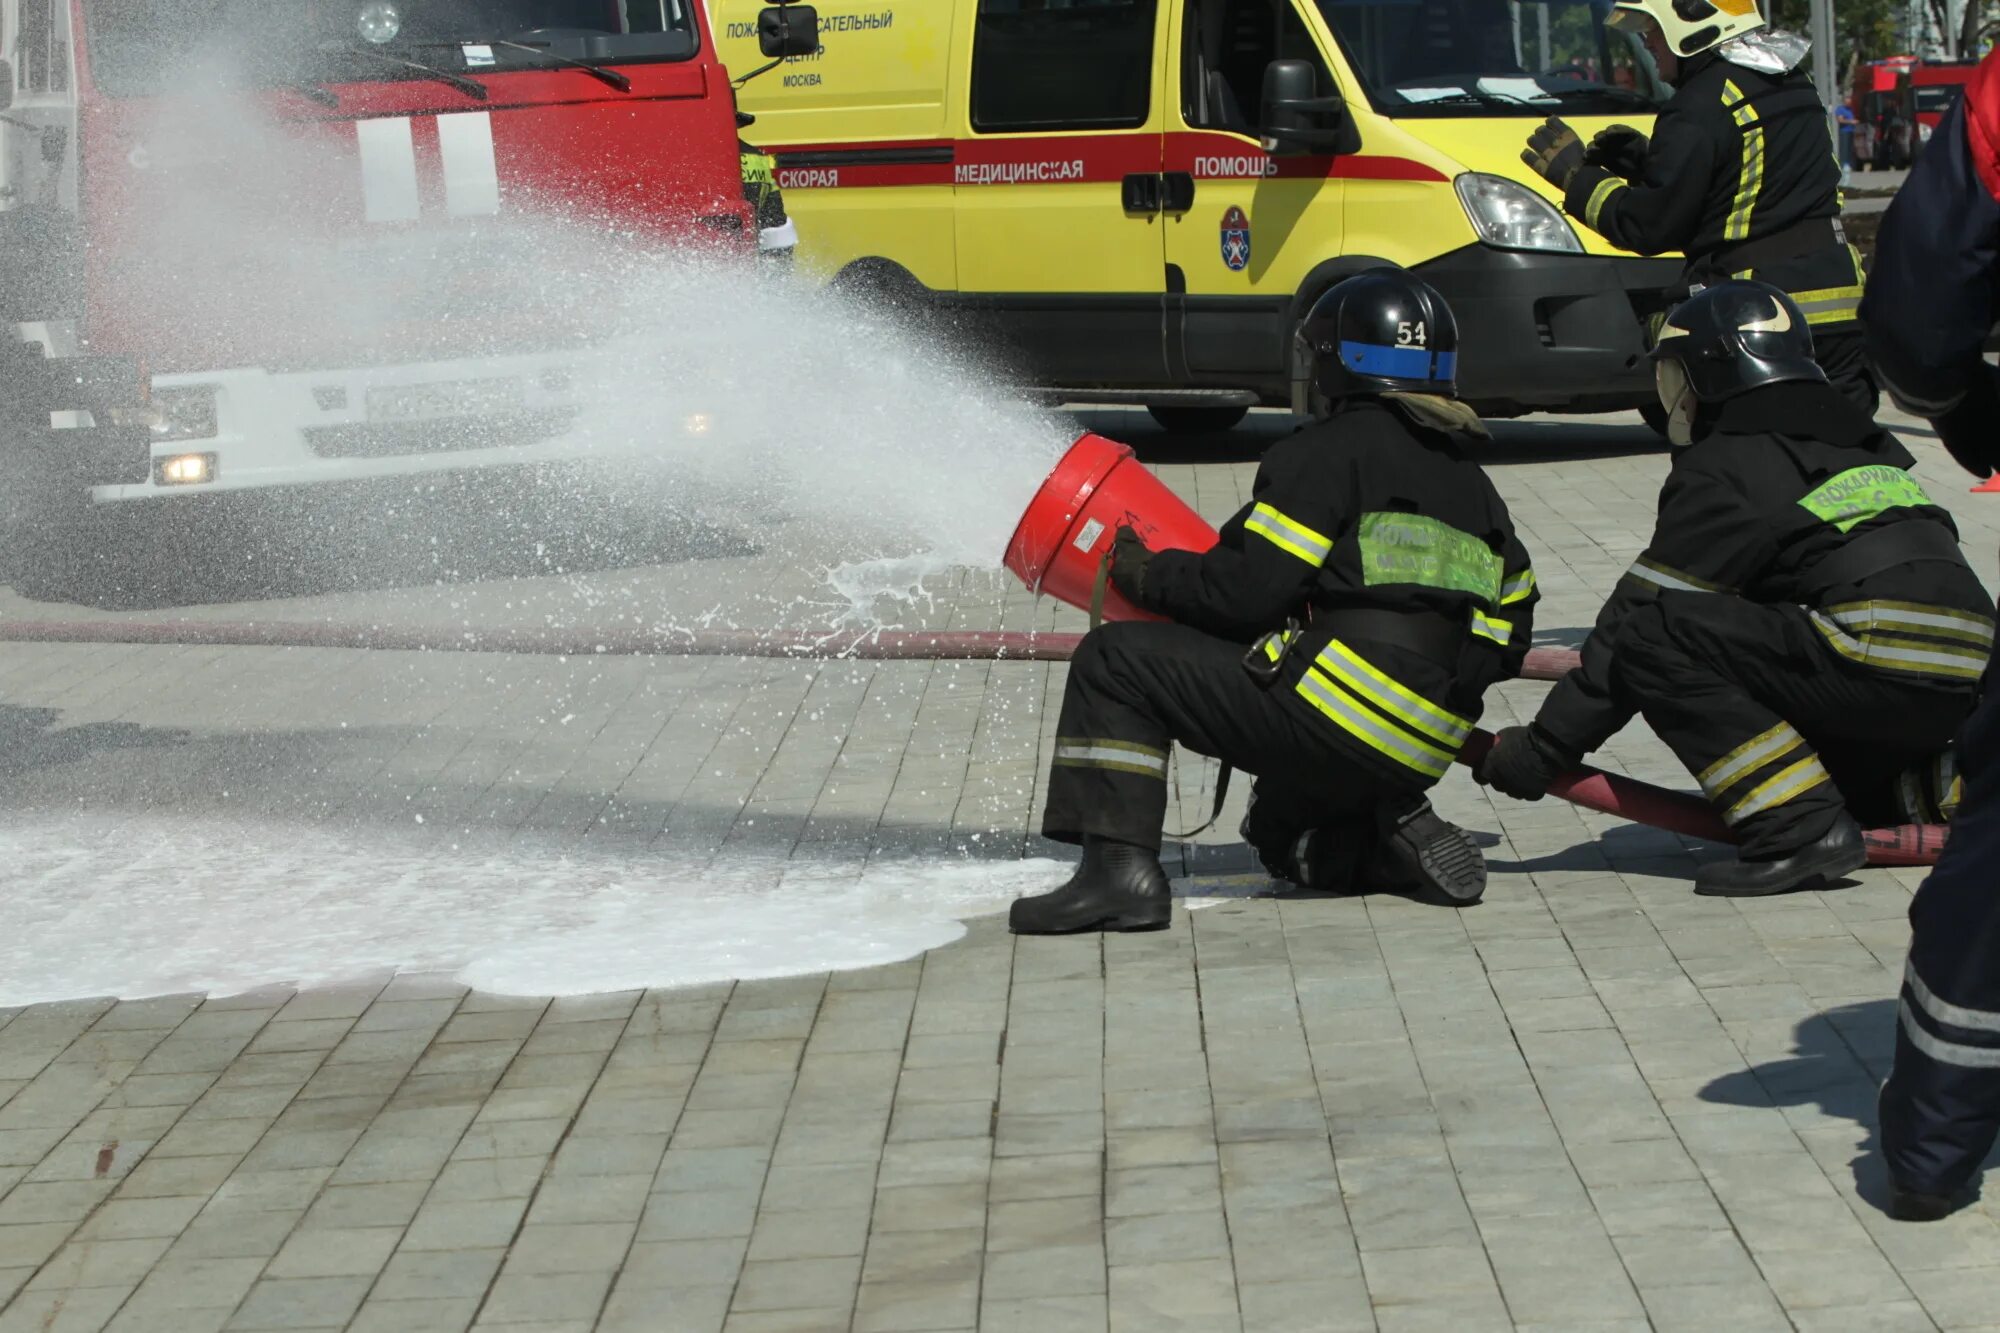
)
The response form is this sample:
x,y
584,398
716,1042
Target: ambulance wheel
x,y
1182,420
1655,417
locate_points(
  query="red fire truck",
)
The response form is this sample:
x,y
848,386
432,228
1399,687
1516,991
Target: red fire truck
x,y
222,225
1904,98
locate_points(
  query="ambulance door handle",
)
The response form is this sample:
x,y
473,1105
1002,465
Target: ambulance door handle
x,y
1142,193
1177,192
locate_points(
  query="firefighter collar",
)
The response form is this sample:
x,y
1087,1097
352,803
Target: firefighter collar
x,y
1767,51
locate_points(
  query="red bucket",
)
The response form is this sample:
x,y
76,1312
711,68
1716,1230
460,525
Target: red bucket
x,y
1070,524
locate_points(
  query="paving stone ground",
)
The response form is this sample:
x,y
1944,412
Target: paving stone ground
x,y
1593,1102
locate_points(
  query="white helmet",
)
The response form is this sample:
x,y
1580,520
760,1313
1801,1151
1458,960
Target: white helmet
x,y
1690,26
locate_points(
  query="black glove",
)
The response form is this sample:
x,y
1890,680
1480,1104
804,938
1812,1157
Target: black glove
x,y
1129,558
1971,431
1523,762
1555,153
1620,150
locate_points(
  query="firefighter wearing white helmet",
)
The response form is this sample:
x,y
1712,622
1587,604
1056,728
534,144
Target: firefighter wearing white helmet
x,y
1739,175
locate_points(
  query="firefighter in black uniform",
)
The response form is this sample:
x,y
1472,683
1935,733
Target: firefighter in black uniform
x,y
1377,585
1932,302
1740,173
1802,629
777,234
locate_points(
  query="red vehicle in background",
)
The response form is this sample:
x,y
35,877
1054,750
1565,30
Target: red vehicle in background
x,y
248,244
1903,98
1936,88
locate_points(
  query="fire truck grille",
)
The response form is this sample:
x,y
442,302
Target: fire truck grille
x,y
449,435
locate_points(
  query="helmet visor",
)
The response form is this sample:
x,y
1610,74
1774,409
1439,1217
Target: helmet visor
x,y
1629,18
1670,378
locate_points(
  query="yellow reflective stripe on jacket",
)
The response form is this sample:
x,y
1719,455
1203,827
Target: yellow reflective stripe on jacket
x,y
1369,727
1517,587
1759,749
1416,712
1894,652
1492,627
1594,205
1829,305
1737,227
1787,784
1941,622
1288,535
1648,570
1116,755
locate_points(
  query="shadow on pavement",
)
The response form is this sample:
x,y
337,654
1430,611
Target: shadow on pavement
x,y
1555,441
1533,441
31,742
1842,1056
409,532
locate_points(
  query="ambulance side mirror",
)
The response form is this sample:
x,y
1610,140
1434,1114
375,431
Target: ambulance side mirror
x,y
6,85
785,30
1296,119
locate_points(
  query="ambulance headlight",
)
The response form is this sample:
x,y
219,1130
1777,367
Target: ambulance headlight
x,y
379,22
1511,216
184,413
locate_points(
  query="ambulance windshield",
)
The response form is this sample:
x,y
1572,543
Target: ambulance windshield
x,y
150,48
1493,57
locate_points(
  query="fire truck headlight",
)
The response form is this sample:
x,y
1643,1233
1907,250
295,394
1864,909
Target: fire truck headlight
x,y
698,423
184,414
184,470
380,21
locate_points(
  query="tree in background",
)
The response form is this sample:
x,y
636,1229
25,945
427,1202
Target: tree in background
x,y
1862,29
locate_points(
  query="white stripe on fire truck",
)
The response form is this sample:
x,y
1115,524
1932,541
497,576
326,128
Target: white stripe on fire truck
x,y
388,169
471,180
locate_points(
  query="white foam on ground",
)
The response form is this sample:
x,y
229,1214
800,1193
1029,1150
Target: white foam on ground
x,y
137,906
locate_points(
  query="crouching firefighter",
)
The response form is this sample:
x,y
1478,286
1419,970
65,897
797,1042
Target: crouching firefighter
x,y
1336,644
1802,630
1739,173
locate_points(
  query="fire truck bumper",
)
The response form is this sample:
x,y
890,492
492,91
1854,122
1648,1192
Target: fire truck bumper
x,y
253,429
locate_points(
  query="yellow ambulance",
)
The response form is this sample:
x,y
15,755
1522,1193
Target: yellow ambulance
x,y
1137,199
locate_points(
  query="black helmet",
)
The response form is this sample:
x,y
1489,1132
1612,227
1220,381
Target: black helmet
x,y
1726,340
1382,331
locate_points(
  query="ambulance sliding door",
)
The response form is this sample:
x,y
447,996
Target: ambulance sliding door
x,y
1057,177
1256,225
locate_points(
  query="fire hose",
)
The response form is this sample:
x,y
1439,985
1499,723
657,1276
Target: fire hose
x,y
1593,789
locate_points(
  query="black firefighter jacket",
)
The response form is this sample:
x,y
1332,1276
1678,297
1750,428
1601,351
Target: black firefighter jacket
x,y
1789,476
1370,508
1737,157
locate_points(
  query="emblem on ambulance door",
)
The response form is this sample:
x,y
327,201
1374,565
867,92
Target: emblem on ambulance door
x,y
1235,239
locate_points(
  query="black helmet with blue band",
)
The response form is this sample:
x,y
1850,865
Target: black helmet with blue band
x,y
1383,331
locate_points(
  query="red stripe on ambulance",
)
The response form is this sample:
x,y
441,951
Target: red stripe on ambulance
x,y
1068,159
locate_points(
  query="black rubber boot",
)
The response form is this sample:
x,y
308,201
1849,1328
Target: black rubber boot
x,y
1421,850
1119,886
1839,851
1917,1206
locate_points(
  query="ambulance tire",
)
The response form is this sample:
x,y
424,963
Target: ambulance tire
x,y
1179,419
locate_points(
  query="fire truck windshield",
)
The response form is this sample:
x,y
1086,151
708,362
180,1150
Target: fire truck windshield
x,y
147,48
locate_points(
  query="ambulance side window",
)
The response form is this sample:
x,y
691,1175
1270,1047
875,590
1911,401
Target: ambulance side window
x,y
44,61
1062,64
1228,45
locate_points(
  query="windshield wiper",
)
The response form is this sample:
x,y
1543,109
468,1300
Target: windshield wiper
x,y
1605,91
470,87
610,76
1467,98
